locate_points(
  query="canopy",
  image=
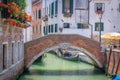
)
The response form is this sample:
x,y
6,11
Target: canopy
x,y
112,35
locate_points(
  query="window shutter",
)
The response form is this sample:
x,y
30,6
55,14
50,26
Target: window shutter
x,y
52,9
56,27
71,6
102,27
49,29
80,26
56,7
52,28
63,6
39,13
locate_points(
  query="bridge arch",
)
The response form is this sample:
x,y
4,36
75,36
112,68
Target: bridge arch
x,y
36,48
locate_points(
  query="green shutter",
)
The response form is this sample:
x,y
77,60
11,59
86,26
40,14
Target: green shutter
x,y
56,7
102,27
79,26
56,27
52,28
63,6
71,6
52,9
49,29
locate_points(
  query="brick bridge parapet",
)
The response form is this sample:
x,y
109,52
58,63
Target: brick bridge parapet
x,y
36,48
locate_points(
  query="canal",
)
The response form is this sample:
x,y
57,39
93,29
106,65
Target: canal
x,y
52,67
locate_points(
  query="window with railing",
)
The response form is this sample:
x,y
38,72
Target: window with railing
x,y
67,7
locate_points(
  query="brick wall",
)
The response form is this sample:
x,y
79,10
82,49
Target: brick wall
x,y
33,48
9,35
36,22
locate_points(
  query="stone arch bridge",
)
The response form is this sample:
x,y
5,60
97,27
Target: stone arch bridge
x,y
34,49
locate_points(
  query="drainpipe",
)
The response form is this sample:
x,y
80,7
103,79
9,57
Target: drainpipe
x,y
89,19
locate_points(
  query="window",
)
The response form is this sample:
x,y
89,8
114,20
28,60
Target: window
x,y
49,29
66,25
19,51
99,7
81,4
44,30
97,26
52,28
52,9
13,51
39,14
56,27
5,50
82,26
67,6
49,10
56,7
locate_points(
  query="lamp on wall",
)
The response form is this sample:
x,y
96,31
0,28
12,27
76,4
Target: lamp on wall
x,y
99,9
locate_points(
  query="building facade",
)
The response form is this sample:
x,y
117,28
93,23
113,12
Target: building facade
x,y
110,18
80,17
37,21
65,17
28,31
11,48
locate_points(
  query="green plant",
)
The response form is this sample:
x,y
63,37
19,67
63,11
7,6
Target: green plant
x,y
20,3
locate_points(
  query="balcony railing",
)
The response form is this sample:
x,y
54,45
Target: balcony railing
x,y
35,1
45,18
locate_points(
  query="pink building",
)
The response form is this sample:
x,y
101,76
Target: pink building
x,y
37,20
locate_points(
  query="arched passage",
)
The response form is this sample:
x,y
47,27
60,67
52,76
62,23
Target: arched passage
x,y
36,48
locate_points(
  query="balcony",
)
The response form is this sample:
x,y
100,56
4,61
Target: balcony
x,y
45,18
67,13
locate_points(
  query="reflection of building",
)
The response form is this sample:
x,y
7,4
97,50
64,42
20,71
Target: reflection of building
x,y
36,23
110,18
65,16
11,49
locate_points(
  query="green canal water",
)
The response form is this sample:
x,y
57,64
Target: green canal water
x,y
53,67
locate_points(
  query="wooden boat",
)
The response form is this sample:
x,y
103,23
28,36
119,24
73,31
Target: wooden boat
x,y
66,54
